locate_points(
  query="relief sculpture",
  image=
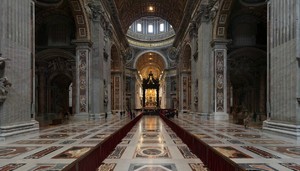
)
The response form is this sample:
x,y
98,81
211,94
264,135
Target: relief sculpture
x,y
4,82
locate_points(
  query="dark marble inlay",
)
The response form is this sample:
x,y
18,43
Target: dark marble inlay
x,y
231,152
235,142
289,151
10,152
185,151
35,142
91,142
150,135
81,136
222,136
261,152
257,166
247,136
152,152
117,153
152,167
202,135
230,130
198,167
107,167
267,142
12,166
73,152
48,167
68,142
71,130
152,141
53,136
292,166
43,152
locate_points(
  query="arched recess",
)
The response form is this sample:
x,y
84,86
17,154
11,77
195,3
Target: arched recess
x,y
55,72
139,55
78,11
247,80
186,58
150,66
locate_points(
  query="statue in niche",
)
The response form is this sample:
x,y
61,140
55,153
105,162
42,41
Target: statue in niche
x,y
105,93
4,83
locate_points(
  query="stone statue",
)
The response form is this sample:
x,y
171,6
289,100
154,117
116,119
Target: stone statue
x,y
4,83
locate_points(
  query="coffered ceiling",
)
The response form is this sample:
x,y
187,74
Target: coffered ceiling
x,y
131,10
150,62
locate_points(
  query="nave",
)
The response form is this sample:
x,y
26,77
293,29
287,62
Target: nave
x,y
150,144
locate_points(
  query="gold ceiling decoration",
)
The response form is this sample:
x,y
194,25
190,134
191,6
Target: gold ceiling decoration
x,y
131,10
150,62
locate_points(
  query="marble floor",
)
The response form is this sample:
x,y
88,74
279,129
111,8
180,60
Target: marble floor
x,y
55,147
150,145
251,148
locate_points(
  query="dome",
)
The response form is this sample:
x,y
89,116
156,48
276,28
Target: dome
x,y
150,32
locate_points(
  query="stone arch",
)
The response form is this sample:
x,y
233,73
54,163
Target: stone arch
x,y
247,69
115,58
222,19
81,20
186,58
55,72
148,51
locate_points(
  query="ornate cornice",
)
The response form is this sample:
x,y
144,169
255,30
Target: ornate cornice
x,y
189,9
97,13
111,8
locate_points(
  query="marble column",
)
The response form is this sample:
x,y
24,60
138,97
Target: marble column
x,y
220,79
16,73
82,78
283,68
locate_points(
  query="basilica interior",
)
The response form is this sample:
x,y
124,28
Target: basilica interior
x,y
171,85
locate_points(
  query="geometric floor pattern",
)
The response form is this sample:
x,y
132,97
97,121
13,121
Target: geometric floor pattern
x,y
55,147
153,146
150,145
251,148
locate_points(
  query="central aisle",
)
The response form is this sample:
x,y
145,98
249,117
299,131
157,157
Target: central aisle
x,y
151,145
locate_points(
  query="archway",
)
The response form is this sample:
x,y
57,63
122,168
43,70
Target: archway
x,y
150,69
247,80
58,94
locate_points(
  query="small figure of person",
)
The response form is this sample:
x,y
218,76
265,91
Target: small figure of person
x,y
105,116
246,121
66,115
254,116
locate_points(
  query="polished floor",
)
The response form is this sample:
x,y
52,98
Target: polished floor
x,y
150,145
